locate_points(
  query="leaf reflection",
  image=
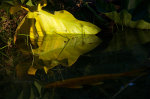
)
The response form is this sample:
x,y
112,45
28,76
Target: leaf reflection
x,y
57,49
127,39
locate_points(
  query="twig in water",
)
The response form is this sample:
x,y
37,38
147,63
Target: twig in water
x,y
127,85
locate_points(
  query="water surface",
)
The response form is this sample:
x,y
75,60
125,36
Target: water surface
x,y
60,57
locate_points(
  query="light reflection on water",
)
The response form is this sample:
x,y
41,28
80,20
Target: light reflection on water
x,y
54,50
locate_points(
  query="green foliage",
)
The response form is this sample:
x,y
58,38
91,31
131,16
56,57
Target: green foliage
x,y
138,8
125,19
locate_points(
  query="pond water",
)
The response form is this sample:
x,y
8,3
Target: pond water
x,y
109,65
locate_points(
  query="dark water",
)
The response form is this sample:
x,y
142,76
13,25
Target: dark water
x,y
67,57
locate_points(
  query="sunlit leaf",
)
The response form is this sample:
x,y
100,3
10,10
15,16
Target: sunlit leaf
x,y
40,23
59,47
125,18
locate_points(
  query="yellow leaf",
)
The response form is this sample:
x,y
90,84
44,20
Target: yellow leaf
x,y
60,37
39,23
32,70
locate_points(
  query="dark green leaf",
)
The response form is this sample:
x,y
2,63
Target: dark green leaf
x,y
125,19
29,3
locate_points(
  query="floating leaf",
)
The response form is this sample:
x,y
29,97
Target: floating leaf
x,y
125,18
39,23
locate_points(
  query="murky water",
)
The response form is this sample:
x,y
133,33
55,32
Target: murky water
x,y
80,62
